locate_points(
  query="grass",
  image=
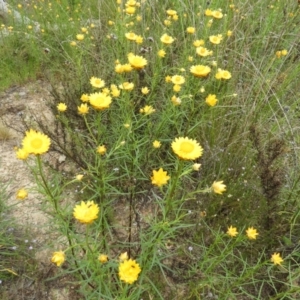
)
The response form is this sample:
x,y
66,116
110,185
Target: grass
x,y
173,225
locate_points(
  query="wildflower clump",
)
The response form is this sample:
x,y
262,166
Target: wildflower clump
x,y
129,271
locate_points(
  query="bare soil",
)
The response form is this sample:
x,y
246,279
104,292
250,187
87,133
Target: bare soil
x,y
21,105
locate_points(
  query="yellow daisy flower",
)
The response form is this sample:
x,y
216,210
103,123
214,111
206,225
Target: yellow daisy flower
x,y
200,70
232,231
58,258
22,194
61,107
97,82
186,148
251,233
166,39
276,259
218,187
100,101
86,212
211,100
129,271
35,142
83,109
159,177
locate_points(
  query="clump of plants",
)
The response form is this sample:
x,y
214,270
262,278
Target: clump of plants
x,y
170,185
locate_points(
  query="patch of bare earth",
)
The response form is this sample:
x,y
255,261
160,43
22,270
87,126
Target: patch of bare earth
x,y
22,105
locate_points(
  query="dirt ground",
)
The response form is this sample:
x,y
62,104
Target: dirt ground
x,y
17,104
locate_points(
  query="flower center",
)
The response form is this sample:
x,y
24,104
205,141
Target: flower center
x,y
36,143
186,147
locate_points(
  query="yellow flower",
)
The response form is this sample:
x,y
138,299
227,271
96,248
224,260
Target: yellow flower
x,y
100,101
84,29
156,144
251,233
80,37
175,17
101,149
278,54
147,110
103,258
61,107
166,39
284,52
196,167
159,177
36,142
127,67
115,92
198,43
161,53
131,3
202,51
232,231
86,212
73,43
58,258
176,100
145,90
178,79
97,82
215,39
136,61
139,39
85,98
200,70
208,12
168,79
211,100
177,88
218,187
128,86
191,30
123,256
190,58
276,259
229,33
171,12
186,148
22,194
79,177
130,36
129,271
130,10
223,74
22,154
83,109
167,22
216,14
